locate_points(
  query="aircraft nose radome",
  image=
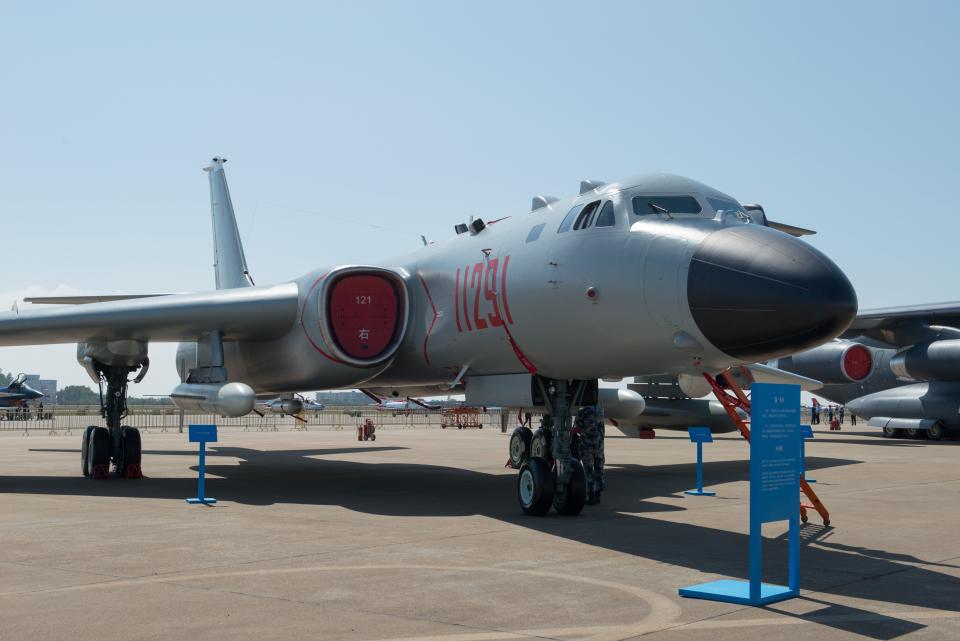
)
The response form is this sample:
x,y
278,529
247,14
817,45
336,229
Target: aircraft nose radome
x,y
757,294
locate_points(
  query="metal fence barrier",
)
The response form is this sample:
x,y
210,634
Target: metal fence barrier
x,y
66,420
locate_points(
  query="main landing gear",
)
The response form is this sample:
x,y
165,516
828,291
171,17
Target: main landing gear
x,y
115,444
551,474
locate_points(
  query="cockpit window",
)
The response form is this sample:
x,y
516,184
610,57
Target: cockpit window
x,y
607,217
586,216
535,232
724,206
568,219
673,204
728,209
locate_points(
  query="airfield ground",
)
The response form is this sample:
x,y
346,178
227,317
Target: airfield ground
x,y
418,536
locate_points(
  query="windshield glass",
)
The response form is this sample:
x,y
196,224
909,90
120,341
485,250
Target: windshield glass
x,y
728,209
673,204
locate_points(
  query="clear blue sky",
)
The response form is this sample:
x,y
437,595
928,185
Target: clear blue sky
x,y
412,116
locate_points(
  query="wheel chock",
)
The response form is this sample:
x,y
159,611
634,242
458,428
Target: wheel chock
x,y
133,471
100,472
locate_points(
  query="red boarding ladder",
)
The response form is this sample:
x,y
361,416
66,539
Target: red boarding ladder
x,y
738,400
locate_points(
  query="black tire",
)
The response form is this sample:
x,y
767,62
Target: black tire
x,y
936,432
889,432
130,452
98,448
571,502
373,437
535,487
541,444
519,447
911,433
84,446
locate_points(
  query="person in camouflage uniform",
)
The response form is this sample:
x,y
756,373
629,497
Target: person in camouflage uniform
x,y
591,444
602,426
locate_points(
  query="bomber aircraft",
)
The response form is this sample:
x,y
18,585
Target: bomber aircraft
x,y
898,367
655,274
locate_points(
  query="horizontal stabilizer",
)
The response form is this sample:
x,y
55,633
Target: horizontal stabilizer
x,y
766,374
84,300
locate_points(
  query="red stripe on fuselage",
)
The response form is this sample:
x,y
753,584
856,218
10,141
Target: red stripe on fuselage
x,y
456,300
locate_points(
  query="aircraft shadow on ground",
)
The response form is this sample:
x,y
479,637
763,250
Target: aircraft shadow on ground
x,y
403,489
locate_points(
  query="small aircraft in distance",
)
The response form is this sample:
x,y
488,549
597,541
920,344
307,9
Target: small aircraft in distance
x,y
406,406
18,392
288,405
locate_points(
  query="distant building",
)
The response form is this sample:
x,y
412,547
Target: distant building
x,y
46,386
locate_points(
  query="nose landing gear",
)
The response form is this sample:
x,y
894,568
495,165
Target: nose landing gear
x,y
550,474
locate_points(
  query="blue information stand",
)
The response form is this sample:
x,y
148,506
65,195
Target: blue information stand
x,y
805,432
700,435
202,434
774,495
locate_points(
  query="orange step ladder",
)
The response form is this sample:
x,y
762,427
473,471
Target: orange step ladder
x,y
735,399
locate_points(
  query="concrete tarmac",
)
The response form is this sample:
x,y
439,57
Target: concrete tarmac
x,y
418,537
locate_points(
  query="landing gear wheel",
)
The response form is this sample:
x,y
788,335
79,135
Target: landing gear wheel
x,y
98,452
535,487
889,432
571,502
519,447
540,445
84,446
129,464
911,433
935,433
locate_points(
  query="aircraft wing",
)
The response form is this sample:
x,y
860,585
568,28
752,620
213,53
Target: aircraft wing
x,y
84,300
793,230
249,313
766,374
932,314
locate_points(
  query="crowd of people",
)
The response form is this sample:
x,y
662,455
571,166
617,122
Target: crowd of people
x,y
836,414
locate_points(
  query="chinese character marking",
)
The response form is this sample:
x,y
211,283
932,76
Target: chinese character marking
x,y
364,334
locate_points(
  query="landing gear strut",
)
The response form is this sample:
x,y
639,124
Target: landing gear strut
x,y
561,485
115,443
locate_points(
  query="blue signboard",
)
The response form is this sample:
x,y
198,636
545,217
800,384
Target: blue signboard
x,y
700,435
775,458
774,452
806,431
203,433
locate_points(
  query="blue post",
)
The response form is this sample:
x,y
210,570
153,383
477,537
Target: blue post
x,y
700,435
699,467
202,434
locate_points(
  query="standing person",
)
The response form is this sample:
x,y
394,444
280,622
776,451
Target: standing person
x,y
830,415
840,412
853,418
39,410
589,447
815,413
601,457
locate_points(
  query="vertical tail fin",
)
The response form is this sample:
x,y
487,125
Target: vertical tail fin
x,y
229,263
